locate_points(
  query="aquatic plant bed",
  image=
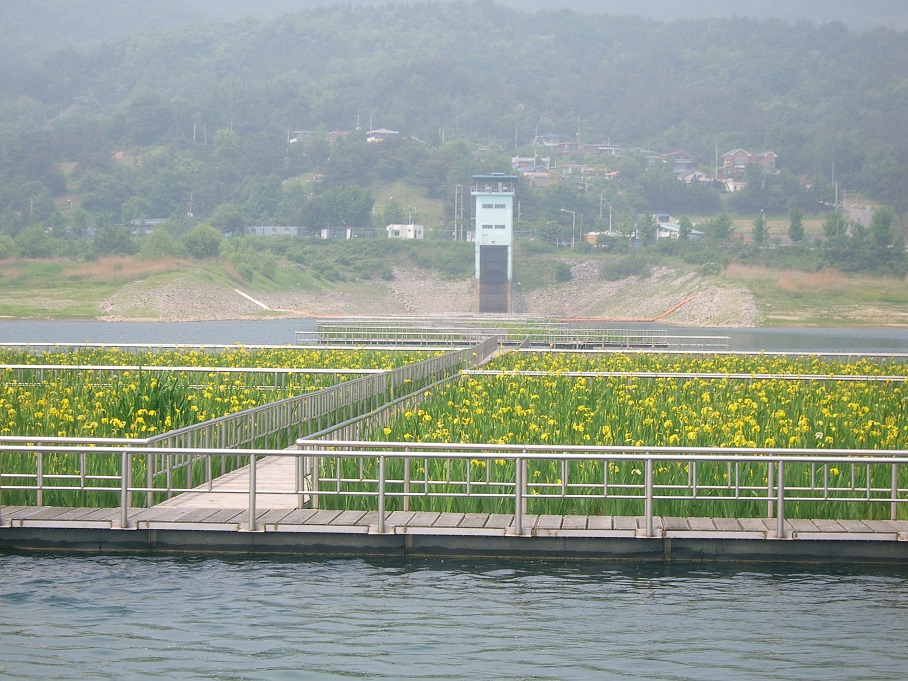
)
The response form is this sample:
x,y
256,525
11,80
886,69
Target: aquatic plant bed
x,y
89,402
231,356
629,410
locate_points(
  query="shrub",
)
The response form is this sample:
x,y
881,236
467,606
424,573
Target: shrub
x,y
563,271
622,268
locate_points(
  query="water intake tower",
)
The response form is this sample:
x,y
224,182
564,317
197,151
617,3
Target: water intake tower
x,y
493,229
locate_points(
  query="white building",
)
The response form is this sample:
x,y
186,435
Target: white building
x,y
410,231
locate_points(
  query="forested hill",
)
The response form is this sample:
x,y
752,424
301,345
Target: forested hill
x,y
201,108
75,21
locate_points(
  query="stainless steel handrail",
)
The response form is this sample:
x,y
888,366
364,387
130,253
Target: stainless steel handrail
x,y
516,487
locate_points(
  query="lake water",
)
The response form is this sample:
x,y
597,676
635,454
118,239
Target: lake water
x,y
281,331
69,617
131,617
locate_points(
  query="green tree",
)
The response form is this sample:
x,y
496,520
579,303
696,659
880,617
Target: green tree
x,y
760,230
114,239
881,228
392,213
795,224
34,242
835,224
646,228
342,207
7,247
685,227
161,244
228,217
203,241
718,228
134,210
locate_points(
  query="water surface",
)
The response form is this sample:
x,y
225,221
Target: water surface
x,y
71,617
282,332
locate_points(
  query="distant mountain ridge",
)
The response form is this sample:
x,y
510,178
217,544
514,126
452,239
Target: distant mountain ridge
x,y
86,21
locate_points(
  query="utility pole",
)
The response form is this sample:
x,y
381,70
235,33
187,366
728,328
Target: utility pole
x,y
573,223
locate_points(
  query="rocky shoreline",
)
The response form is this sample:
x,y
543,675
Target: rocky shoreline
x,y
667,295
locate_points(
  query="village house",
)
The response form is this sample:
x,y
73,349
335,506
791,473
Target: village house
x,y
735,162
681,161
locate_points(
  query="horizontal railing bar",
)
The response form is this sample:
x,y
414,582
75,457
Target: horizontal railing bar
x,y
334,449
185,369
818,354
684,374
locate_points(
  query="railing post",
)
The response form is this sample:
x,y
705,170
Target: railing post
x,y
770,503
648,502
301,479
314,470
524,477
381,494
893,507
406,504
780,502
39,478
519,496
125,477
252,525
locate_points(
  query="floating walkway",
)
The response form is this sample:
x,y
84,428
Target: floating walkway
x,y
308,532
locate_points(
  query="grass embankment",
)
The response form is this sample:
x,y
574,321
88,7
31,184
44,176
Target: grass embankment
x,y
826,298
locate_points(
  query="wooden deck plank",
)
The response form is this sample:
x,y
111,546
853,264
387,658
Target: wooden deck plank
x,y
423,519
449,520
500,520
574,522
756,524
399,517
829,526
348,518
298,516
275,484
53,512
623,522
897,525
702,524
673,524
322,517
447,524
600,522
854,526
474,520
803,525
727,524
549,522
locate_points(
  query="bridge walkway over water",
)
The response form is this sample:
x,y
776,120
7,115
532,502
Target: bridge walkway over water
x,y
215,518
277,520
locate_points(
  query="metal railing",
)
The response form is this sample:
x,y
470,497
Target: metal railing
x,y
554,336
708,376
382,476
711,474
96,374
393,335
276,424
41,347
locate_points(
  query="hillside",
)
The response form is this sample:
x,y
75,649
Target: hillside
x,y
744,297
416,292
